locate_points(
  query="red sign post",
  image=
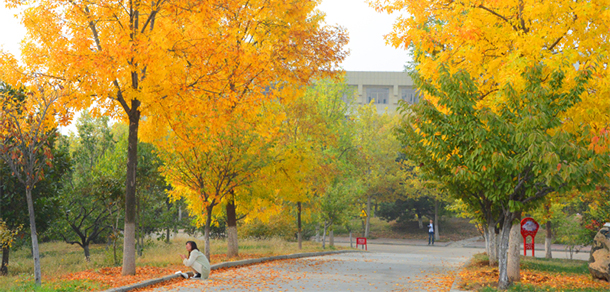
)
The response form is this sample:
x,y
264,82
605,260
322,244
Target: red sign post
x,y
361,241
529,227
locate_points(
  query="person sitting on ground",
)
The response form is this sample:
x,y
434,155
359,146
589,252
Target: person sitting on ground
x,y
197,261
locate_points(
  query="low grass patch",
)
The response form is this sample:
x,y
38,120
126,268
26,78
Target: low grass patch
x,y
537,274
64,267
27,284
531,288
555,265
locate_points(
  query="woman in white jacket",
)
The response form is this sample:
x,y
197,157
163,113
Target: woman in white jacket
x,y
197,261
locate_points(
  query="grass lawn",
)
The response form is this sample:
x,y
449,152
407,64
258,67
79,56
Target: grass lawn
x,y
64,267
537,274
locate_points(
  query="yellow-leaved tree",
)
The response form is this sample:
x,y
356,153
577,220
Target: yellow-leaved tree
x,y
498,40
270,49
136,58
310,144
28,122
126,59
379,168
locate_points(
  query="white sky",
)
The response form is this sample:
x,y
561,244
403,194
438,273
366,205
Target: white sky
x,y
365,26
12,31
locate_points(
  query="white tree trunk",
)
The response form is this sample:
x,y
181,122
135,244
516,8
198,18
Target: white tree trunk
x,y
232,241
206,237
351,245
514,252
129,249
419,220
324,236
548,241
492,245
35,252
436,231
503,281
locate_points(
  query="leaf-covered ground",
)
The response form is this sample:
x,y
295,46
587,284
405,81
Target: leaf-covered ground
x,y
110,277
538,274
346,272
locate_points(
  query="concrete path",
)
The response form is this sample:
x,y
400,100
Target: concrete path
x,y
559,251
384,268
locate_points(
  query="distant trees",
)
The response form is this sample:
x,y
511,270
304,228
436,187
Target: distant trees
x,y
92,196
87,202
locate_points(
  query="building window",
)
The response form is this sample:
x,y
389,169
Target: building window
x,y
409,95
380,95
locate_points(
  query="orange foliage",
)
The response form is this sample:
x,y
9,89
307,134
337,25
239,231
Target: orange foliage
x,y
111,276
481,276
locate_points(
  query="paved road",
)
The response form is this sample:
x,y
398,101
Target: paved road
x,y
384,268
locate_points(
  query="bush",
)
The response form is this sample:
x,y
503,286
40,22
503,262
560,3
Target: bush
x,y
277,226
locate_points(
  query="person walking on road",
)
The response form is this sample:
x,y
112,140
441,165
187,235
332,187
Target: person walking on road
x,y
431,233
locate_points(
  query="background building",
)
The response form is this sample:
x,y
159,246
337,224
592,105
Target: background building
x,y
385,88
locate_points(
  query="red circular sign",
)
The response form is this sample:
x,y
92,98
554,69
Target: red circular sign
x,y
529,226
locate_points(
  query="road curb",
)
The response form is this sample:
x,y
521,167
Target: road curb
x,y
441,244
457,278
537,249
230,265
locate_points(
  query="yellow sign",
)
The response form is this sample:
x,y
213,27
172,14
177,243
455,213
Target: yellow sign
x,y
363,213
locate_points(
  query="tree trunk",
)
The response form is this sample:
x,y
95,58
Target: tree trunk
x,y
232,248
350,240
331,241
514,251
299,233
141,245
167,233
363,227
5,250
35,254
503,281
437,235
548,241
139,233
376,208
491,245
129,252
317,233
115,240
136,222
367,228
208,223
4,267
419,220
324,237
87,254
